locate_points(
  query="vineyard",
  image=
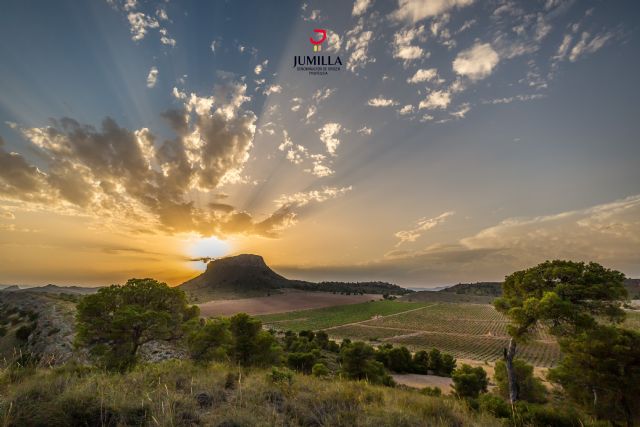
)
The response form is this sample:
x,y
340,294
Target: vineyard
x,y
470,331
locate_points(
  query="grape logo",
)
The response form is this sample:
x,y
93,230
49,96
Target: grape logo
x,y
317,44
318,64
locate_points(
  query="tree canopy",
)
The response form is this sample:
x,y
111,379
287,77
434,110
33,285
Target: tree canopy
x,y
117,320
565,296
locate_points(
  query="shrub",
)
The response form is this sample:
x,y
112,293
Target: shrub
x,y
320,370
469,381
530,388
280,376
494,405
421,362
23,332
358,363
302,362
250,344
400,360
209,341
431,391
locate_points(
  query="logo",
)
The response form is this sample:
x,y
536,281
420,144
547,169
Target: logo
x,y
317,65
317,44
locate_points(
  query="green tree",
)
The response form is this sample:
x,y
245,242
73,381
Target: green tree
x,y
435,361
358,363
469,382
320,370
117,320
209,340
530,388
250,345
421,362
322,339
563,296
400,359
448,365
600,369
302,362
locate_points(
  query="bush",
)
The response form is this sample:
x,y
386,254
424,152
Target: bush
x,y
530,388
209,340
358,363
400,360
302,362
320,370
421,362
469,381
494,405
250,344
280,376
431,391
23,332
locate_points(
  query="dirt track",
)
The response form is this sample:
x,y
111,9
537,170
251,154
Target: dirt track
x,y
281,303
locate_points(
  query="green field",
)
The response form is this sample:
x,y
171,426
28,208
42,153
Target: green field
x,y
322,318
470,331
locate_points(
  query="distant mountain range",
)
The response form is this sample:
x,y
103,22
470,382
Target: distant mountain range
x,y
247,275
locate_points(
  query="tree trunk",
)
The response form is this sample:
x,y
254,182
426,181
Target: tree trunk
x,y
509,354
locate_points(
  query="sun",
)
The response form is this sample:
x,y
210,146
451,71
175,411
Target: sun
x,y
205,247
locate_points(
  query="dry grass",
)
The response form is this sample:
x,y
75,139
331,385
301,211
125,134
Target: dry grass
x,y
165,395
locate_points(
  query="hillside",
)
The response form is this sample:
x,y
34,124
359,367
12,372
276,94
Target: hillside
x,y
493,289
247,275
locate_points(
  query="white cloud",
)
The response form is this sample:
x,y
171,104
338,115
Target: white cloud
x,y
423,75
334,42
152,77
436,99
360,7
165,39
328,135
424,224
407,109
215,44
588,46
311,111
304,198
381,102
462,111
358,44
365,130
139,23
416,10
403,47
476,62
322,94
272,89
260,67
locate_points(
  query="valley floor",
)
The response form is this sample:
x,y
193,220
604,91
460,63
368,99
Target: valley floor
x,y
289,300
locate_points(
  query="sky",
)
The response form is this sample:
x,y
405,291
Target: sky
x,y
453,140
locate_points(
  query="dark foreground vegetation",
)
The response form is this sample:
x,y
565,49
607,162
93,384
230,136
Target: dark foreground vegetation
x,y
236,373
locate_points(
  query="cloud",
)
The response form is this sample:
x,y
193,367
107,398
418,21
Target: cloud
x,y
328,134
152,77
365,130
304,198
477,62
381,102
258,68
133,179
462,111
140,23
423,75
587,44
17,176
413,11
424,224
358,45
437,99
403,47
360,7
322,94
272,89
407,109
334,42
569,235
